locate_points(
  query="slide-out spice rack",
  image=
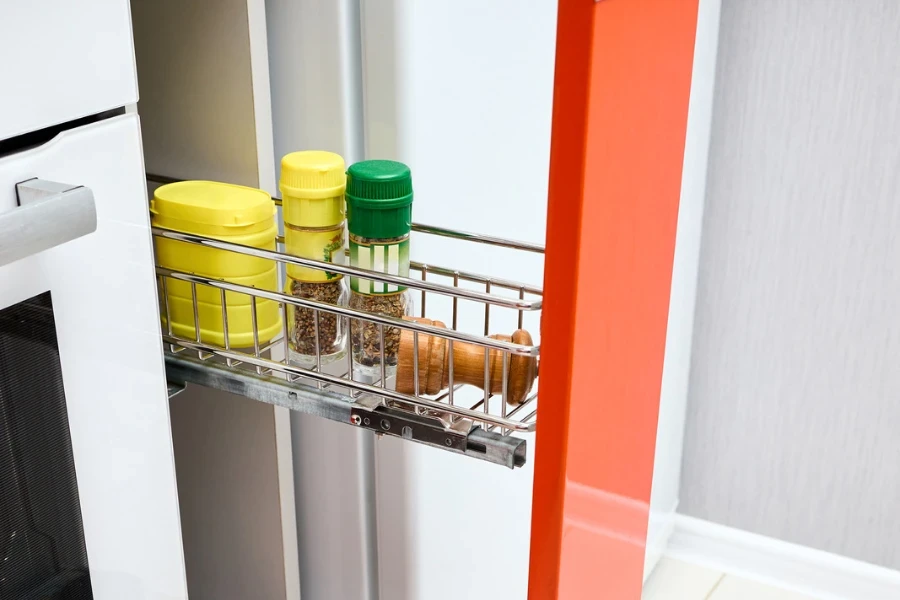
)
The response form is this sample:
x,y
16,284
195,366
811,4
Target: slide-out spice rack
x,y
485,427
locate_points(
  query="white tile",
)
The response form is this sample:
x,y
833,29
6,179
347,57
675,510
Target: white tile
x,y
676,580
735,588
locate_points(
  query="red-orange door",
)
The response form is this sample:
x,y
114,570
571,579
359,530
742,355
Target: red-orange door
x,y
623,77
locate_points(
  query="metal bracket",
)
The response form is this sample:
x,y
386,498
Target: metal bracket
x,y
32,190
174,389
370,413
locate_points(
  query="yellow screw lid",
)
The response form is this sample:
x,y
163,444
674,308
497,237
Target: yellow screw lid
x,y
312,187
212,208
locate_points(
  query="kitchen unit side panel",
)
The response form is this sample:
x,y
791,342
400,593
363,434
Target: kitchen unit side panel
x,y
664,496
473,122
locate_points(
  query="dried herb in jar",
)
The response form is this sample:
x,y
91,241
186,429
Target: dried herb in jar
x,y
312,184
379,211
365,336
302,321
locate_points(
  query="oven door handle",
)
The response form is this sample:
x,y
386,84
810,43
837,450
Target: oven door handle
x,y
49,214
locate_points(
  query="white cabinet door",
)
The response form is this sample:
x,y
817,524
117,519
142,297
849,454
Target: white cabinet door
x,y
63,60
104,302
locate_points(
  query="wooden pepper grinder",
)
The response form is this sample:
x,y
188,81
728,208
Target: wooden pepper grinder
x,y
468,364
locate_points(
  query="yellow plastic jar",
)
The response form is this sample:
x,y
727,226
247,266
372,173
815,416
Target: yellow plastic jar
x,y
230,213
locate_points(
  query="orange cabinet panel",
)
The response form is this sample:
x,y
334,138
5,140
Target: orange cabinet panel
x,y
623,78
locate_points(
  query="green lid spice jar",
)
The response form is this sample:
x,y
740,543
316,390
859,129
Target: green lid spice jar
x,y
379,216
312,186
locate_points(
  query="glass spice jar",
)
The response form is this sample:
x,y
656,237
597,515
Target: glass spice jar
x,y
312,186
379,217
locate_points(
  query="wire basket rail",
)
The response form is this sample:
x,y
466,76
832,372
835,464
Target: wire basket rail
x,y
462,418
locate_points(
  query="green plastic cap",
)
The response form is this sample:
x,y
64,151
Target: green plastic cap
x,y
379,199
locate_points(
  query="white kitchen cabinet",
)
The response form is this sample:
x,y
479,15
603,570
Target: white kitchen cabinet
x,y
63,61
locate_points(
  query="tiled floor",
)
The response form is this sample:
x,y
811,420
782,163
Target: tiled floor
x,y
676,580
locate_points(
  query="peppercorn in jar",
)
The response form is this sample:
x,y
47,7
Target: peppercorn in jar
x,y
379,213
312,185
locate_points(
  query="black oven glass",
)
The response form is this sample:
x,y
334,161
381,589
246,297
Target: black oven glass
x,y
42,551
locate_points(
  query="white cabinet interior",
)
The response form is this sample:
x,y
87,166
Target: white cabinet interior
x,y
205,114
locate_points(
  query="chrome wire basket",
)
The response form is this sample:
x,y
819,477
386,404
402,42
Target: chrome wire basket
x,y
461,418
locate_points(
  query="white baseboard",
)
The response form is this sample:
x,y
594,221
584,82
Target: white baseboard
x,y
659,530
782,564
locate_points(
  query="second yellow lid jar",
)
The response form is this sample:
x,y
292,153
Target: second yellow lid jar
x,y
312,186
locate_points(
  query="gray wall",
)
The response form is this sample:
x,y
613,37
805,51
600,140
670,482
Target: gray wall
x,y
794,410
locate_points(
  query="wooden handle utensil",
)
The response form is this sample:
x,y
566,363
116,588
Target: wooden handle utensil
x,y
468,364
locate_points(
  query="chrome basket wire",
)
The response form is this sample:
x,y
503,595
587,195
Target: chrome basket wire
x,y
489,411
